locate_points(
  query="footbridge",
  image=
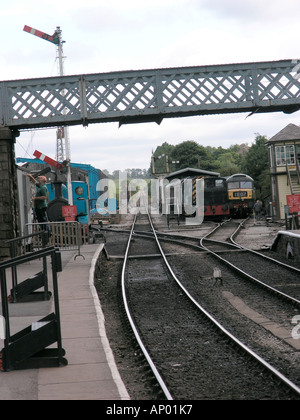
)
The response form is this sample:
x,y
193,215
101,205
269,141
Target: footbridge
x,y
132,97
150,95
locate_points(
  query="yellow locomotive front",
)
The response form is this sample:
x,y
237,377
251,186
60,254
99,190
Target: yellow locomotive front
x,y
241,194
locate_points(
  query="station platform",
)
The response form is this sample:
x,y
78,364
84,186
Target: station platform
x,y
287,244
91,373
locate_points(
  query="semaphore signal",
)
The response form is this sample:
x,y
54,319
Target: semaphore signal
x,y
63,152
51,38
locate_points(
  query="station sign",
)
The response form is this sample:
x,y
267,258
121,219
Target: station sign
x,y
69,213
293,201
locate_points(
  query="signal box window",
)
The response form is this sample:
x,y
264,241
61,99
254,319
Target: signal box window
x,y
285,155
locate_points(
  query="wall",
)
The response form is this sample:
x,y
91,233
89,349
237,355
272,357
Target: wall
x,y
8,191
284,190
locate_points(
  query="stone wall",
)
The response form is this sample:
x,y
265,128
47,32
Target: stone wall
x,y
8,191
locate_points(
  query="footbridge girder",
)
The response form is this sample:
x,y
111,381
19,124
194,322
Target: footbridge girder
x,y
150,95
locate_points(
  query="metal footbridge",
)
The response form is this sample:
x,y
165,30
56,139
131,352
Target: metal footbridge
x,y
150,95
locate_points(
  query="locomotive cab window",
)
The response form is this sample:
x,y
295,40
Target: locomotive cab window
x,y
241,184
233,185
246,184
220,183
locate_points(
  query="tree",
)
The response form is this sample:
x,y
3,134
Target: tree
x,y
190,155
256,164
160,155
136,173
226,164
256,158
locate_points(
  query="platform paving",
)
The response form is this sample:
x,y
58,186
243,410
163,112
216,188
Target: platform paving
x,y
91,373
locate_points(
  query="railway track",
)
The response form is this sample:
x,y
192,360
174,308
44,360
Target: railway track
x,y
276,276
191,355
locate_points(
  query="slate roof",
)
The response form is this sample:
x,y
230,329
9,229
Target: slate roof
x,y
290,132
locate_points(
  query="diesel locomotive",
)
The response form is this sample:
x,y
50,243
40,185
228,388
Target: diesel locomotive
x,y
241,195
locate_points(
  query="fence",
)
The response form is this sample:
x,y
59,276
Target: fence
x,y
66,236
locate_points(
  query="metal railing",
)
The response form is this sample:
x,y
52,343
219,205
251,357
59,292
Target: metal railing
x,y
23,244
29,348
19,247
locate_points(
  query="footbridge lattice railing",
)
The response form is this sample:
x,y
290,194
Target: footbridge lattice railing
x,y
150,95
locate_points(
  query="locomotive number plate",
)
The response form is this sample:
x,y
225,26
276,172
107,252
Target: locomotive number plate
x,y
240,194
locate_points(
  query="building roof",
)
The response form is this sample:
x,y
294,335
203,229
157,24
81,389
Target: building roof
x,y
290,132
186,172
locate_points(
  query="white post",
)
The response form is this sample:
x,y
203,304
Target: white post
x,y
66,129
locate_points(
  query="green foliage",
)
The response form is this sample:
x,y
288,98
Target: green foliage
x,y
256,164
161,155
257,157
189,154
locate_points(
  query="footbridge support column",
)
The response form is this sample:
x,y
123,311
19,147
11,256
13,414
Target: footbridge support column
x,y
9,213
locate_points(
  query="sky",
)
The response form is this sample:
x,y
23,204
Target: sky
x,y
103,36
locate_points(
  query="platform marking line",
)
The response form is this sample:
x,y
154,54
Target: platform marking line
x,y
102,331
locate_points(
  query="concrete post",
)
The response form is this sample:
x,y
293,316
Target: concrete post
x,y
9,213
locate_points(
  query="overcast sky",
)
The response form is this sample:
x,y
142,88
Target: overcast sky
x,y
106,36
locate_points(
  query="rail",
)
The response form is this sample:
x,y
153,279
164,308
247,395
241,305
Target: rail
x,y
211,318
132,323
216,323
235,245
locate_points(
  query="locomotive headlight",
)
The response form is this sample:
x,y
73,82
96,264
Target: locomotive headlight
x,y
79,190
